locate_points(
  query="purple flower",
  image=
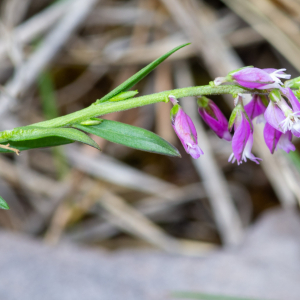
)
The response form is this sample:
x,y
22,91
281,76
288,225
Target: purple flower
x,y
242,140
255,78
292,121
185,129
214,118
282,116
277,140
255,108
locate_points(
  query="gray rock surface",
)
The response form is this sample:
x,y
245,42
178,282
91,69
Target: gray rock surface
x,y
266,266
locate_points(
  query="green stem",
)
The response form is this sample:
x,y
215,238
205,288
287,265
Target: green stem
x,y
109,107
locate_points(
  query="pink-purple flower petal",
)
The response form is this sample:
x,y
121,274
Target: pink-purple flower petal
x,y
253,78
292,98
274,116
255,107
247,151
186,131
285,142
271,136
214,118
240,137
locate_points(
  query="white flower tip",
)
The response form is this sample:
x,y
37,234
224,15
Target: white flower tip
x,y
280,74
231,158
219,80
239,97
173,99
194,151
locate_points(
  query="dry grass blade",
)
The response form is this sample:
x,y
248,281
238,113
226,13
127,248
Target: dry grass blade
x,y
123,15
85,82
130,220
27,73
217,59
279,19
268,29
152,207
273,170
226,216
37,25
134,55
110,170
32,180
67,212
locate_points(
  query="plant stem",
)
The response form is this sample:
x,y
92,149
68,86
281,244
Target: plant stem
x,y
109,107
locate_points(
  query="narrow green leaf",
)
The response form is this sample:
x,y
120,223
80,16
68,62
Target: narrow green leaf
x,y
201,296
131,136
37,143
3,204
36,133
130,82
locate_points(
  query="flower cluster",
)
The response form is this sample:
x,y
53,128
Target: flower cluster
x,y
273,103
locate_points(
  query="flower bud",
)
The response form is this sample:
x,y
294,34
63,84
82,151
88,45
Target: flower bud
x,y
242,140
213,117
255,78
185,129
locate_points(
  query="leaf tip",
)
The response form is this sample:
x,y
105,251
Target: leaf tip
x,y
3,204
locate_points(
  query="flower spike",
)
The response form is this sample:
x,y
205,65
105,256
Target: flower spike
x,y
185,129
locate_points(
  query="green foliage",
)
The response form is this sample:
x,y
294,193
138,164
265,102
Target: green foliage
x,y
27,138
124,96
3,204
131,136
130,82
38,143
92,121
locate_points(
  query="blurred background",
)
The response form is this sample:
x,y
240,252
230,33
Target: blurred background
x,y
60,56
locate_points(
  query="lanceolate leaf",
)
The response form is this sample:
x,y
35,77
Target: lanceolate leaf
x,y
3,204
51,135
38,143
131,136
130,82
